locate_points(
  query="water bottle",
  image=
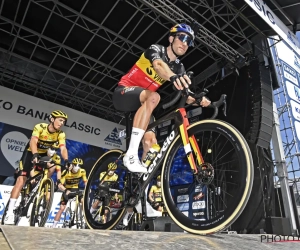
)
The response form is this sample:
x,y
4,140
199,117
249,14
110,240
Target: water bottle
x,y
152,153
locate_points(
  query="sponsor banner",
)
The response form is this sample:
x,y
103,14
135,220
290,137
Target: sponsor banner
x,y
13,140
295,110
198,205
4,197
19,109
260,7
293,91
183,206
197,214
182,198
54,209
288,73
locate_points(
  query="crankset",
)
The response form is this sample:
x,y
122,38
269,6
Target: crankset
x,y
205,173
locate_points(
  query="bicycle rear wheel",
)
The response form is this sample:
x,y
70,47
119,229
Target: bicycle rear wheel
x,y
42,204
213,199
92,186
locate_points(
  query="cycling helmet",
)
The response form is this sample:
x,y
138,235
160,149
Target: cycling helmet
x,y
112,166
77,161
58,113
158,178
182,27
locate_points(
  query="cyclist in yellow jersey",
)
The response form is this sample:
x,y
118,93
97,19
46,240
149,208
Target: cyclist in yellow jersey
x,y
102,193
69,184
43,137
155,195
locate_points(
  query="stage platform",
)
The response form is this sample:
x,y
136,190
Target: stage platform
x,y
30,238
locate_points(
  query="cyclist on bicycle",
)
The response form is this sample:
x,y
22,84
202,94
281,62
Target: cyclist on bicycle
x,y
102,194
136,90
155,195
51,152
43,137
69,184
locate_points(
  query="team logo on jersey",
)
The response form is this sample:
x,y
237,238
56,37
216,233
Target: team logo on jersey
x,y
127,89
149,70
113,137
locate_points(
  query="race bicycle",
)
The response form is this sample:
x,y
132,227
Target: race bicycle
x,y
106,196
36,199
209,154
73,212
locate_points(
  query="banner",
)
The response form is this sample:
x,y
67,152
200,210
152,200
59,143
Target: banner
x,y
13,140
4,197
260,7
25,111
288,73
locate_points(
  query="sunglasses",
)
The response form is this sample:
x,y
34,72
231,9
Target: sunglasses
x,y
186,38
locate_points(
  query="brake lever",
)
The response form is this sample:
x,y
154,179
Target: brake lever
x,y
224,106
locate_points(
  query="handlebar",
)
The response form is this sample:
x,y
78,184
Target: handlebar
x,y
43,162
198,98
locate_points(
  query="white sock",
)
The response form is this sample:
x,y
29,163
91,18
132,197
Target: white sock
x,y
136,137
55,224
11,206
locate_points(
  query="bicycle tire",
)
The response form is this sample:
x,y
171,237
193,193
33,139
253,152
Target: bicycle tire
x,y
247,172
100,165
35,208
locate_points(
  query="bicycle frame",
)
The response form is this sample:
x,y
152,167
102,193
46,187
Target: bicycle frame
x,y
45,177
189,143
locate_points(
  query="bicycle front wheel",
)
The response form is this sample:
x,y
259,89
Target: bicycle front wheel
x,y
91,201
211,200
42,204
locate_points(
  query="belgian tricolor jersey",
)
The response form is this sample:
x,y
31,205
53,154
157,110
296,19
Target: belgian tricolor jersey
x,y
142,74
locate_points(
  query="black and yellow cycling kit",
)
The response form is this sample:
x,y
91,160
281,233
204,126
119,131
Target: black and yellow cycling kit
x,y
45,140
113,177
156,193
71,182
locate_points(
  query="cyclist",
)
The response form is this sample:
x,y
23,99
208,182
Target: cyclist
x,y
43,136
69,184
136,90
102,193
51,152
155,195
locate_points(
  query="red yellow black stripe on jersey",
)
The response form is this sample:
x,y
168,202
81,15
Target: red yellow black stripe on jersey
x,y
144,74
